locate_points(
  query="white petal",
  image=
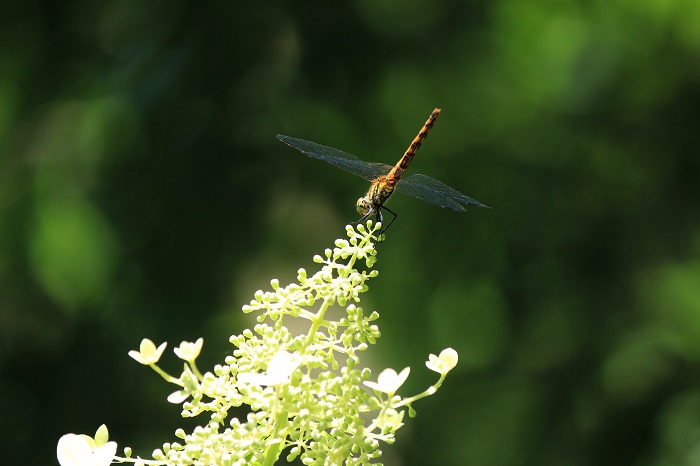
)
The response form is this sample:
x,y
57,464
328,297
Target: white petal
x,y
73,450
104,455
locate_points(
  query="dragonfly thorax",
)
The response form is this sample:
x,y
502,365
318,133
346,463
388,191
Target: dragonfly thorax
x,y
376,196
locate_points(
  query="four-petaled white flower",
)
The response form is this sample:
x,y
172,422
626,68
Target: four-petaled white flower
x,y
279,369
389,381
82,450
444,363
148,353
189,351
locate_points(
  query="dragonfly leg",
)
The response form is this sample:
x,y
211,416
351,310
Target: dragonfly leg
x,y
363,218
377,212
379,217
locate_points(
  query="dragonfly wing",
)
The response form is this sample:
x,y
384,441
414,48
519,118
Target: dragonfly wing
x,y
438,193
367,170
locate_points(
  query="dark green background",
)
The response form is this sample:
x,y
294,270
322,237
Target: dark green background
x,y
143,194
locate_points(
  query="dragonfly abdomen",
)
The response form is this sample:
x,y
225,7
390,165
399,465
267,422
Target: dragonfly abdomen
x,y
407,157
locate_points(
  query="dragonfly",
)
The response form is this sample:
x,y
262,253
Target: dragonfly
x,y
385,179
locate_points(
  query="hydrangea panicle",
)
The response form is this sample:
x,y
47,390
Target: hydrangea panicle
x,y
307,394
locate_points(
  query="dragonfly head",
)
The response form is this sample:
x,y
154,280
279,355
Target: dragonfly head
x,y
364,206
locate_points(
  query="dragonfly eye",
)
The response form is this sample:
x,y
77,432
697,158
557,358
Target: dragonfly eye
x,y
363,206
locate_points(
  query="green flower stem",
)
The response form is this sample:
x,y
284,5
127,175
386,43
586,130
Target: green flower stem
x,y
165,375
195,371
375,424
316,321
429,391
273,451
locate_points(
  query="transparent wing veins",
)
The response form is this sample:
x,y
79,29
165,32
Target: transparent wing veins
x,y
419,186
436,192
367,170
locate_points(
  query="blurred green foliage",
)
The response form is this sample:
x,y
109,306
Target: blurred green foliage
x,y
143,194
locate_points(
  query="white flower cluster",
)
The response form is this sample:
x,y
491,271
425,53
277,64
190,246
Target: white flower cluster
x,y
306,392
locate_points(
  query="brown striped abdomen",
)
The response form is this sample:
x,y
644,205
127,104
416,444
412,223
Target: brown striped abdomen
x,y
397,172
